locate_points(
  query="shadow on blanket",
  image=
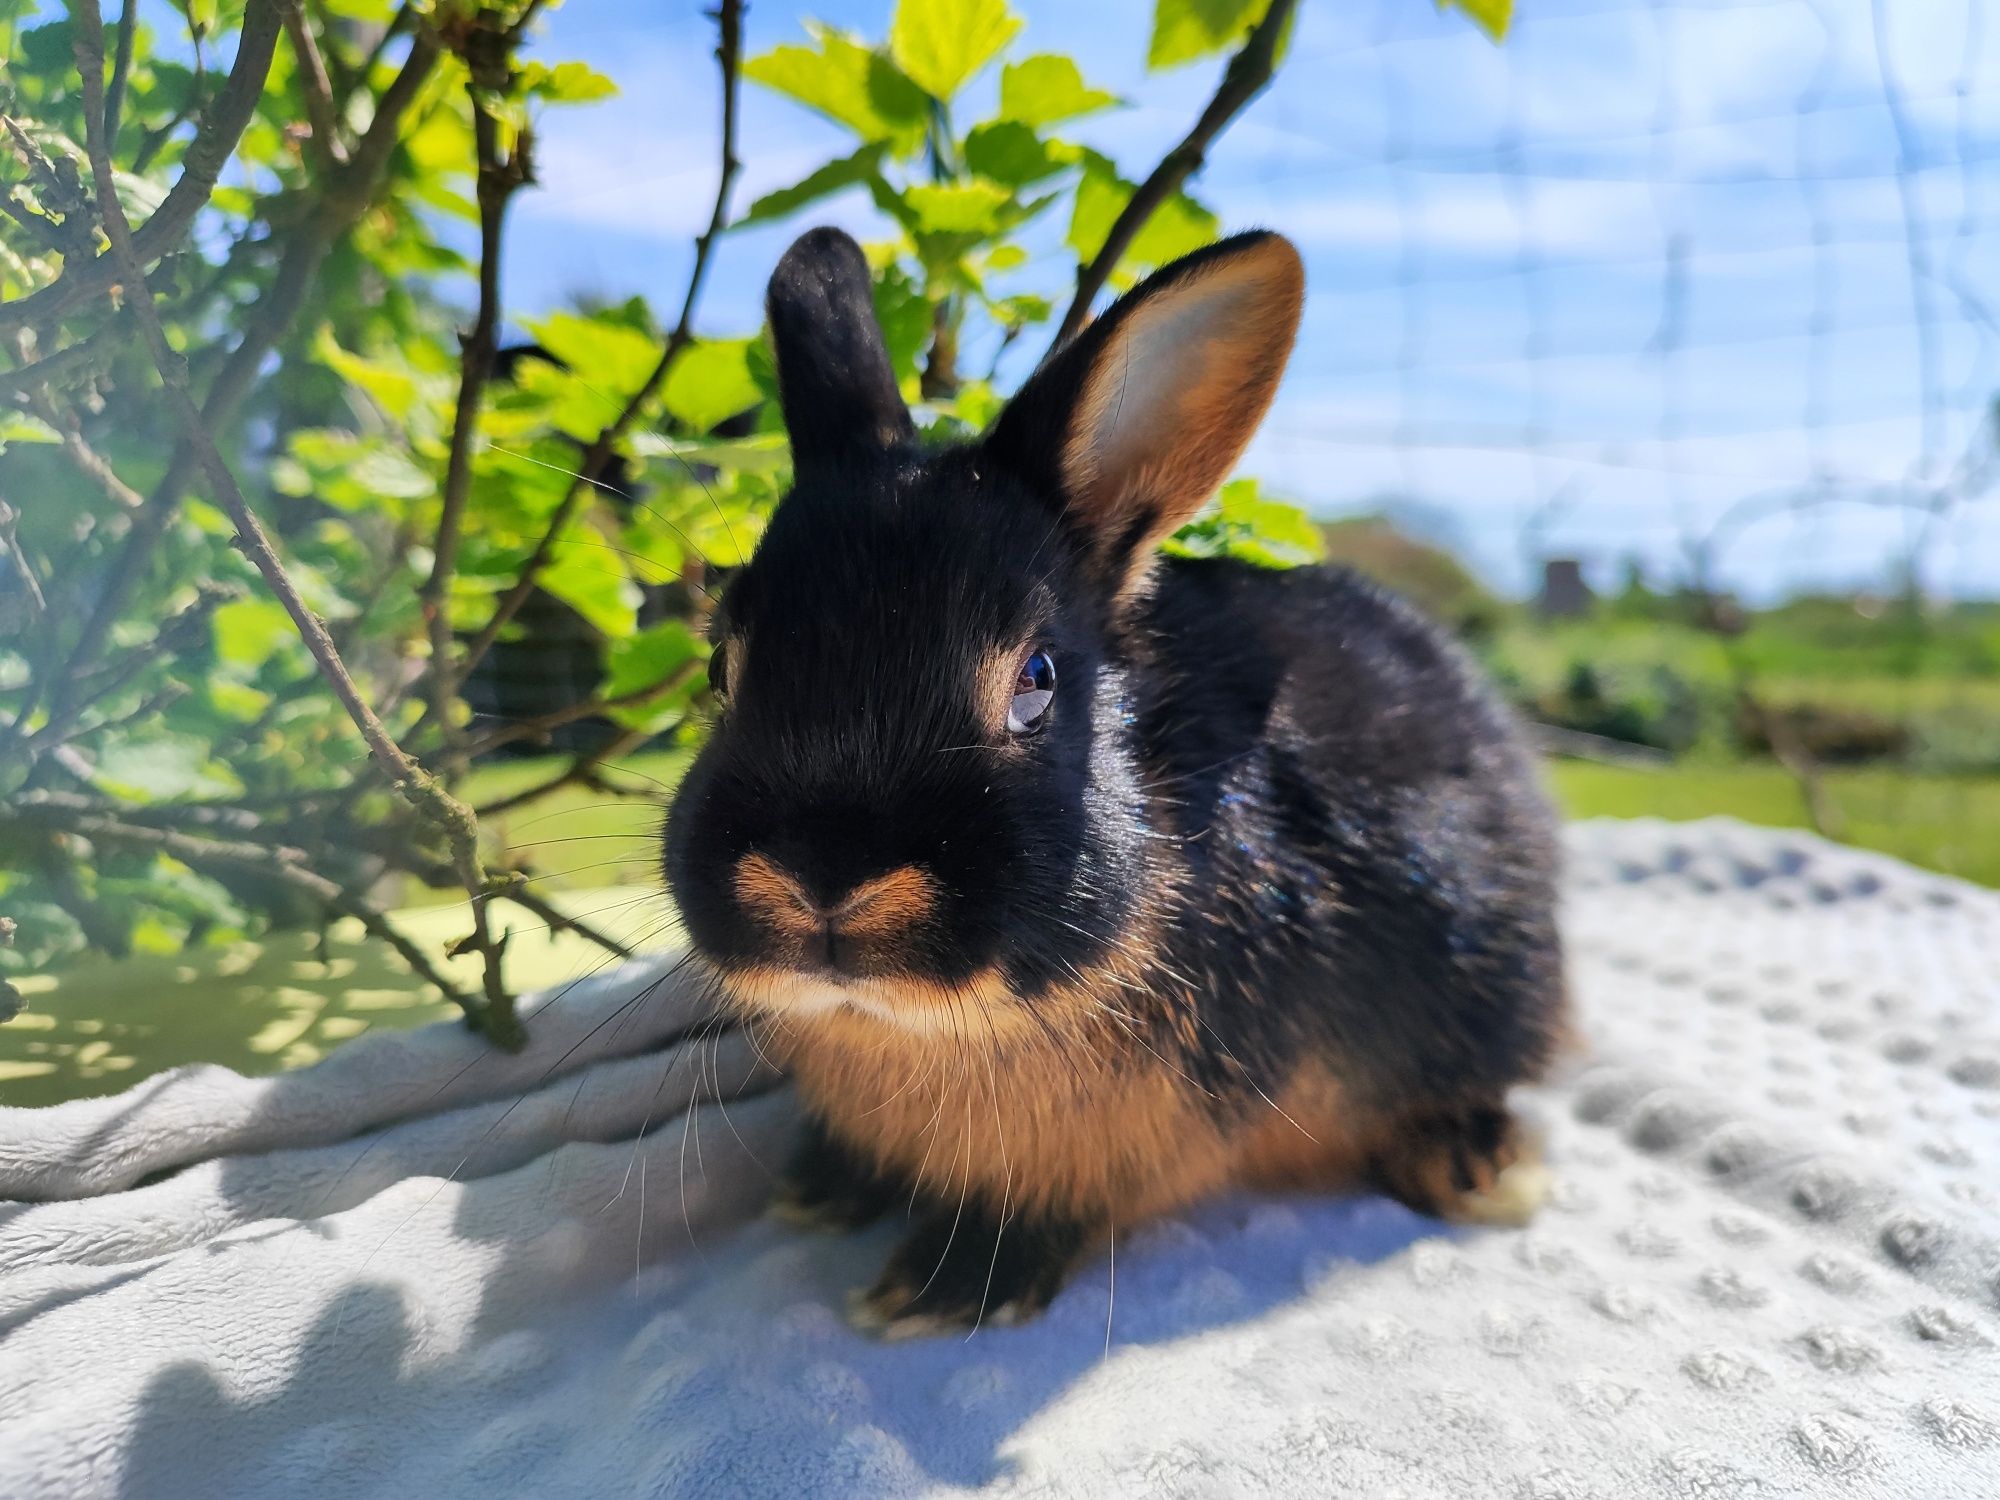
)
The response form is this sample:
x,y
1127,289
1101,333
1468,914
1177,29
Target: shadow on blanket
x,y
724,1369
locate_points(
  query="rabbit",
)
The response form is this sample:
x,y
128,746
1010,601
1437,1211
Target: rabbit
x,y
1074,883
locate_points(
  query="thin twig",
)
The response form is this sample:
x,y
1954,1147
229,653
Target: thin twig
x,y
10,543
121,71
729,23
1243,80
589,708
581,771
221,127
314,84
500,174
279,862
28,378
560,921
453,819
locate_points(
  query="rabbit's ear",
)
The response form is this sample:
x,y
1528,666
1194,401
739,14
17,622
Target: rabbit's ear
x,y
1132,425
834,378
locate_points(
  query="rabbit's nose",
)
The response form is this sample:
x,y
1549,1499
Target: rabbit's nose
x,y
880,906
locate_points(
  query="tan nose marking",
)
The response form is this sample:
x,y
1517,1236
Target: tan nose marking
x,y
875,908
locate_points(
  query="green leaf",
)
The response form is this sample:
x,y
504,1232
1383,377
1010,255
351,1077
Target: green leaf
x,y
1177,226
956,207
824,182
1008,151
1046,88
766,453
710,381
248,631
1492,16
1185,30
19,427
566,83
648,658
849,83
604,348
161,766
1243,524
591,578
942,43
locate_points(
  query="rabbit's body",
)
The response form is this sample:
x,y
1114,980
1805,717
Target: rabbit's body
x,y
1261,893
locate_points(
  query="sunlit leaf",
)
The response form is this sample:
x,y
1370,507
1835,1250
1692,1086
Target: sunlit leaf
x,y
1176,227
650,657
848,82
766,453
1184,30
836,176
710,381
1493,16
941,43
1009,152
566,83
1244,524
1047,88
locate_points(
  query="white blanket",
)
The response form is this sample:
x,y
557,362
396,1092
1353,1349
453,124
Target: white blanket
x,y
1771,1265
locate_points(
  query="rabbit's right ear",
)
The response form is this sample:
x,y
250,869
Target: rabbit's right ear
x,y
834,379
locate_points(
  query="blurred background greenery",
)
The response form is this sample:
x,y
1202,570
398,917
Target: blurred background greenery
x,y
511,517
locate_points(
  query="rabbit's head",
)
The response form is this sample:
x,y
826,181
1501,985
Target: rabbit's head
x,y
923,800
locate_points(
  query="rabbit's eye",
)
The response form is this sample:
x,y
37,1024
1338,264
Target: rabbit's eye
x,y
718,670
1034,691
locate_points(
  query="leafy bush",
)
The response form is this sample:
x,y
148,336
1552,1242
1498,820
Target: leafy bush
x,y
245,399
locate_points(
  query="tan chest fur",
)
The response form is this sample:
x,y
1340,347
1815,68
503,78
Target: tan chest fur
x,y
1089,1124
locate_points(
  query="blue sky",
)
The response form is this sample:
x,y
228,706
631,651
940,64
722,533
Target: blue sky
x,y
1643,263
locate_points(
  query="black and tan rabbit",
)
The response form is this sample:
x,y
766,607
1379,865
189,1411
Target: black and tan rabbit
x,y
1074,883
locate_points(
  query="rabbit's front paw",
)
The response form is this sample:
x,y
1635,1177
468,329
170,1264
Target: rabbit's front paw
x,y
826,1186
958,1269
1477,1165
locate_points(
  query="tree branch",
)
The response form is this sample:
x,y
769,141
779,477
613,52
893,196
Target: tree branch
x,y
453,819
728,51
317,88
500,174
221,127
1243,80
121,71
76,815
582,771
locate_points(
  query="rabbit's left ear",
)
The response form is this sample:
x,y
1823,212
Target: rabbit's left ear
x,y
1131,426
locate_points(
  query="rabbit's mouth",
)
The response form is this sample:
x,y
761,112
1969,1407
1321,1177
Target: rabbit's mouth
x,y
982,1006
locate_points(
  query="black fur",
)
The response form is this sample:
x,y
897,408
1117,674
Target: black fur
x,y
1296,785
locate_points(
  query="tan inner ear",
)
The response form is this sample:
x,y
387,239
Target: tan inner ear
x,y
1177,392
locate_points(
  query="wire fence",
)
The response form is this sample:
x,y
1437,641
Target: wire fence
x,y
1656,277
1704,293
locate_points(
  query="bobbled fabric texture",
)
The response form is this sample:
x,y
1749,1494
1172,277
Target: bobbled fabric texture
x,y
1771,1265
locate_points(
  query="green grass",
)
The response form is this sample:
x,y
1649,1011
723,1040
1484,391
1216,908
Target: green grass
x,y
1946,823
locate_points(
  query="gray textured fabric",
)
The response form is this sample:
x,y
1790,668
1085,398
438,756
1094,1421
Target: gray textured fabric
x,y
1771,1264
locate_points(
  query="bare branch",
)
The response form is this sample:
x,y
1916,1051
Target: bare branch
x,y
728,51
1243,80
221,127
